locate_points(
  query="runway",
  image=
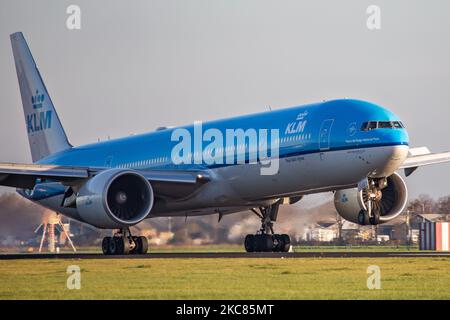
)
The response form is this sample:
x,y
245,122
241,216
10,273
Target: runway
x,y
229,255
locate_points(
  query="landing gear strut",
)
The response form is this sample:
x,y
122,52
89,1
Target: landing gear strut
x,y
266,240
372,196
124,243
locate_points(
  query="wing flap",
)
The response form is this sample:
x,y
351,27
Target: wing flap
x,y
25,175
40,170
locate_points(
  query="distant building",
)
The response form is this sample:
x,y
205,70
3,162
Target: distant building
x,y
322,231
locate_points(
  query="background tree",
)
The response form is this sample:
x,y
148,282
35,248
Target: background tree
x,y
443,207
423,204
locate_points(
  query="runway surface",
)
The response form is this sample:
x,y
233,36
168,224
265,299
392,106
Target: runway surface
x,y
206,255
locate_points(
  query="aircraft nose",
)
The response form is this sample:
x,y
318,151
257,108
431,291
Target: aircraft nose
x,y
389,159
393,153
394,136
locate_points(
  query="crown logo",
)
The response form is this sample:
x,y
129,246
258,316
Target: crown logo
x,y
37,100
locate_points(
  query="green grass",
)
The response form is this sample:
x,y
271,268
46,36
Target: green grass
x,y
251,278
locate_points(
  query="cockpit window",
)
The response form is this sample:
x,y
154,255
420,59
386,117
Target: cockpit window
x,y
385,125
398,124
371,125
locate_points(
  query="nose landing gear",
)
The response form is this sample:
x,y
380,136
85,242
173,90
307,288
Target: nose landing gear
x,y
373,201
124,243
266,240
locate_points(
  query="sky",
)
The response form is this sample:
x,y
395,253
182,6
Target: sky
x,y
138,65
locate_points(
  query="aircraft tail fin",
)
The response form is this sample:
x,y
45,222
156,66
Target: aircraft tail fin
x,y
45,132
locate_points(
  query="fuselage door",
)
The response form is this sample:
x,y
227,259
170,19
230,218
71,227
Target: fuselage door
x,y
109,161
325,134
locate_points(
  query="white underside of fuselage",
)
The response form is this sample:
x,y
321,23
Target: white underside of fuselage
x,y
236,187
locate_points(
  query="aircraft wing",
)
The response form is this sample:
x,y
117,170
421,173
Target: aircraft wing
x,y
25,175
419,157
166,183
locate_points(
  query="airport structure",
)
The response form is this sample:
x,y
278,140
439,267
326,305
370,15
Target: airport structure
x,y
50,224
434,236
257,163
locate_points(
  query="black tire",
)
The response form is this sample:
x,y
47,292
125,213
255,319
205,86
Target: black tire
x,y
278,239
113,246
362,217
141,245
375,218
286,243
123,245
264,243
258,243
135,249
249,243
105,245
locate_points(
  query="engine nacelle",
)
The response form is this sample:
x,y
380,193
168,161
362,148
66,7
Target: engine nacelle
x,y
115,198
390,202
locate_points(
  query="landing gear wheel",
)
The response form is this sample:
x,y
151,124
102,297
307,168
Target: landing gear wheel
x,y
133,249
266,240
105,245
277,243
286,243
265,243
123,245
141,245
362,217
249,243
282,243
112,246
375,218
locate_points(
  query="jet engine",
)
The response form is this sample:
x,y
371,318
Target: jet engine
x,y
115,198
382,200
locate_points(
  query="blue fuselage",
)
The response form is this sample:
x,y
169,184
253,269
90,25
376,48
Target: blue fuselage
x,y
298,135
322,146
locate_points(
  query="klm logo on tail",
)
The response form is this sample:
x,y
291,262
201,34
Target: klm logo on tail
x,y
37,100
40,120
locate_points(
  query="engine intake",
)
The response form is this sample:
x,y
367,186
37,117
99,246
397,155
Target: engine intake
x,y
115,198
389,201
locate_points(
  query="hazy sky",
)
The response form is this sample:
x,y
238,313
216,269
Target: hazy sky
x,y
136,65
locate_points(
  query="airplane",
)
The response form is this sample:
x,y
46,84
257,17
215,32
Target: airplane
x,y
351,147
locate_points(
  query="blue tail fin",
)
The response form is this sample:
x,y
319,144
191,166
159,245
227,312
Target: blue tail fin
x,y
45,132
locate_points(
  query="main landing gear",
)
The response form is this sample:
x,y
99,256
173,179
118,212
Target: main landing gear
x,y
124,243
266,240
